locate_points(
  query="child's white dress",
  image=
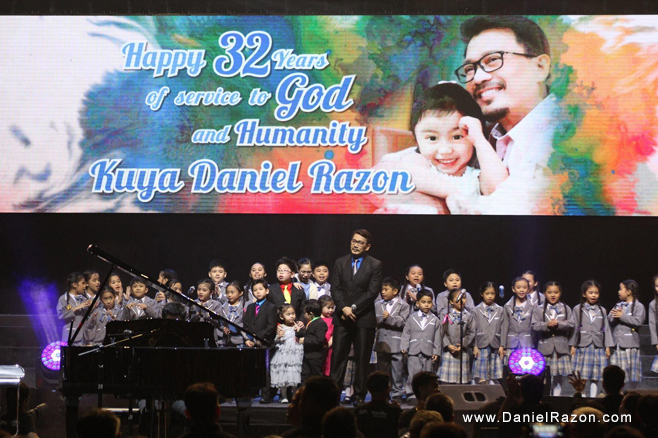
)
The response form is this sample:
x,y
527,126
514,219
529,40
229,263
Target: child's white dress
x,y
286,365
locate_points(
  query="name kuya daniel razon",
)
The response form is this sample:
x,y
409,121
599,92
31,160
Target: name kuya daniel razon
x,y
108,177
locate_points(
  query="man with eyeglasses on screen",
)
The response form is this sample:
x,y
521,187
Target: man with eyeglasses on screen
x,y
506,68
356,282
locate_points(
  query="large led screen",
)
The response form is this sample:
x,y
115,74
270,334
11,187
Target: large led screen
x,y
541,115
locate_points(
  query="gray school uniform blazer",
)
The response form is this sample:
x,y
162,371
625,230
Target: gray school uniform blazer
x,y
236,337
132,313
451,332
93,332
625,328
557,338
537,299
154,310
513,333
652,323
65,312
417,340
442,306
593,329
389,330
487,330
219,294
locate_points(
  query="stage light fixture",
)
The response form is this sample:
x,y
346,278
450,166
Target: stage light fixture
x,y
527,361
51,356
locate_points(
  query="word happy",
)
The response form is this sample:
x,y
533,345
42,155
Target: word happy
x,y
108,178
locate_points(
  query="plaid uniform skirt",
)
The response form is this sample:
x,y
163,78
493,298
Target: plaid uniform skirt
x,y
560,364
449,368
628,359
488,365
654,365
589,362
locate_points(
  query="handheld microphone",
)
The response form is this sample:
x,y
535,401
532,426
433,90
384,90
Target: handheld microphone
x,y
461,295
501,291
190,291
419,287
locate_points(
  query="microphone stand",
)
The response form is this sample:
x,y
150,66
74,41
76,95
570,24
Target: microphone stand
x,y
460,299
461,343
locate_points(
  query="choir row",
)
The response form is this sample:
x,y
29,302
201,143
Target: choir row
x,y
417,326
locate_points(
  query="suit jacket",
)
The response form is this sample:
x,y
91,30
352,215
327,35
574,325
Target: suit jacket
x,y
442,305
553,339
593,329
514,333
262,325
360,289
297,298
417,340
653,328
235,338
451,332
389,330
93,331
65,305
537,299
154,310
315,341
133,313
487,331
625,328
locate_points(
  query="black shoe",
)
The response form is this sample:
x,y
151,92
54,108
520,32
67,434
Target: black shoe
x,y
265,401
347,400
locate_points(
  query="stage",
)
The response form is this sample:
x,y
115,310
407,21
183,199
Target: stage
x,y
20,345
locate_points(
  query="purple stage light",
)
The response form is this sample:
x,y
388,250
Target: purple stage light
x,y
526,361
51,355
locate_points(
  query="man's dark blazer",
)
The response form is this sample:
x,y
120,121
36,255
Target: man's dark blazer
x,y
361,289
297,298
262,325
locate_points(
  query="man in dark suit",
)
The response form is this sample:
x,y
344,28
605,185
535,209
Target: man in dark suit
x,y
356,282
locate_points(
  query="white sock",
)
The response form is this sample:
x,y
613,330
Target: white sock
x,y
557,391
593,389
492,382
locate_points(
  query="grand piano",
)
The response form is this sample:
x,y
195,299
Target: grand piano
x,y
157,359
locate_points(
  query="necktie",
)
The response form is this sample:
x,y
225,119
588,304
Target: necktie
x,y
490,310
257,308
588,307
355,266
232,312
286,293
79,298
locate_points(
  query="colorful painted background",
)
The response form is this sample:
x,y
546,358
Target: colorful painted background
x,y
66,102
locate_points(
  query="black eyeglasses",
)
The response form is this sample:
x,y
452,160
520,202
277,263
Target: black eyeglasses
x,y
490,62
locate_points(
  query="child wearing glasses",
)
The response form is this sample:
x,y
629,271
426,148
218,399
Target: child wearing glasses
x,y
453,159
284,290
